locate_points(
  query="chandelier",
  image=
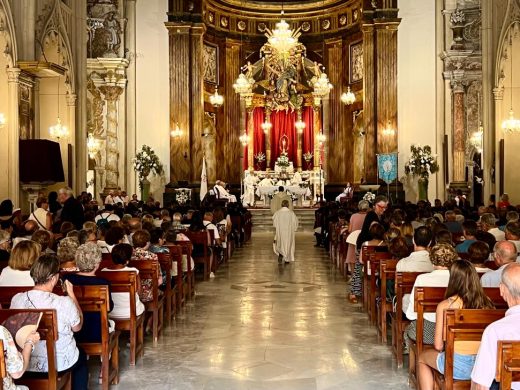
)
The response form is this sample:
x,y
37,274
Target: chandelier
x,y
282,38
176,133
58,131
511,124
243,85
216,99
93,145
244,139
348,97
322,86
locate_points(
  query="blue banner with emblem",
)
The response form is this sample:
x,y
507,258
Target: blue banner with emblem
x,y
387,167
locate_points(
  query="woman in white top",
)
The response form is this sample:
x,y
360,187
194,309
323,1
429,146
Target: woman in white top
x,y
46,274
41,215
121,255
17,272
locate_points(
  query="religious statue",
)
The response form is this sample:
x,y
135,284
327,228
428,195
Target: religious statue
x,y
113,29
248,70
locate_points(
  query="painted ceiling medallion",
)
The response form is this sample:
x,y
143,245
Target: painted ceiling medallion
x,y
211,17
306,26
355,15
241,25
343,20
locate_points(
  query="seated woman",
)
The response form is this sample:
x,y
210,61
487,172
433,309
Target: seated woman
x,y
88,257
66,254
141,241
464,292
23,256
46,274
44,238
5,245
121,255
16,362
478,254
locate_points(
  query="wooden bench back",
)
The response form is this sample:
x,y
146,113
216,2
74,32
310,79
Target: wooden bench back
x,y
149,269
123,282
404,282
508,369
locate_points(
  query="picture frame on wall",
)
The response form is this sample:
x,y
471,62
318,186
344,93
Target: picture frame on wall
x,y
210,63
356,62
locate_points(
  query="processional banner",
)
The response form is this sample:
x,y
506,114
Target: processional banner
x,y
387,167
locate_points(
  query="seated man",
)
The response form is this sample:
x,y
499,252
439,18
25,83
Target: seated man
x,y
512,232
507,328
419,259
347,193
222,193
488,224
451,222
469,230
504,253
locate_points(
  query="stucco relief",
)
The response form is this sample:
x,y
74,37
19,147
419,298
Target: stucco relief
x,y
210,63
7,31
95,110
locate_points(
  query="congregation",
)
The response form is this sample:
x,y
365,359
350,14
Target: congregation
x,y
127,266
418,269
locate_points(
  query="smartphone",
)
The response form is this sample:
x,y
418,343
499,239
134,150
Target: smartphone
x,y
63,286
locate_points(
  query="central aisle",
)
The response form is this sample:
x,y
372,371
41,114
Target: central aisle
x,y
260,325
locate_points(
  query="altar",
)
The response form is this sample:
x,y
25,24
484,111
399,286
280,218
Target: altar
x,y
305,187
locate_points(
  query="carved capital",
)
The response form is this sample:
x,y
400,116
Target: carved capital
x,y
71,99
13,75
111,93
458,86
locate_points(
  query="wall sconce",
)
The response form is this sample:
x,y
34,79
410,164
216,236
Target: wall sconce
x,y
176,133
244,139
388,130
2,120
216,99
348,97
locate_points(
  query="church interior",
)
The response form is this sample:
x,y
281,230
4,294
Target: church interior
x,y
144,109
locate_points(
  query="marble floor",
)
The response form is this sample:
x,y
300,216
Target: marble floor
x,y
261,325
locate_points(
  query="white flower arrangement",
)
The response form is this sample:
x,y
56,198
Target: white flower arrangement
x,y
369,197
146,162
422,162
260,157
308,156
283,161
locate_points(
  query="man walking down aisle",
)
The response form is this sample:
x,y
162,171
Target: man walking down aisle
x,y
286,224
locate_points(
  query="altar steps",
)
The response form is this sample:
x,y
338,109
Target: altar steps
x,y
263,220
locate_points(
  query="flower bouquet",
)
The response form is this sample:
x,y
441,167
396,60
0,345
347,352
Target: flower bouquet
x,y
260,158
421,163
369,197
283,161
146,162
308,158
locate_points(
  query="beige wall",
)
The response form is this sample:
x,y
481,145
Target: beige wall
x,y
4,167
416,84
153,86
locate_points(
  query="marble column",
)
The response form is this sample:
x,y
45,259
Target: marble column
x,y
180,102
458,140
251,139
369,103
112,94
197,100
13,128
131,96
71,114
317,129
498,95
386,85
299,151
267,118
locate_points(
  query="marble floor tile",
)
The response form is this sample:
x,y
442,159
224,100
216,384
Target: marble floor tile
x,y
259,325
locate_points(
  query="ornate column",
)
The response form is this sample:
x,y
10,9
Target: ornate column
x,y
459,138
369,102
299,151
251,144
112,94
71,113
13,128
267,140
317,128
498,95
131,95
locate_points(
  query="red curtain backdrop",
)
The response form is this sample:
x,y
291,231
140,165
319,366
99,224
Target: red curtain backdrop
x,y
282,124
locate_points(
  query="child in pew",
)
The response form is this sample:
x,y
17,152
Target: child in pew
x,y
121,255
464,292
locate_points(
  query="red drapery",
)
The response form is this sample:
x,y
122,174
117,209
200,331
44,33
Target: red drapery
x,y
282,124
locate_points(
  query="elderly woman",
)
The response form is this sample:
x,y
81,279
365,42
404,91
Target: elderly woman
x,y
44,238
141,240
88,258
66,254
41,215
46,274
23,256
5,245
16,362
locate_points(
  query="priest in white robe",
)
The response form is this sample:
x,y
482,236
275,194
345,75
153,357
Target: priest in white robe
x,y
297,178
222,193
248,198
286,224
278,198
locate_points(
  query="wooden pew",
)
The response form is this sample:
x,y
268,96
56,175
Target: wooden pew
x,y
426,301
187,247
48,330
508,363
96,299
150,269
201,238
180,285
126,282
373,265
169,292
462,325
404,282
366,252
386,273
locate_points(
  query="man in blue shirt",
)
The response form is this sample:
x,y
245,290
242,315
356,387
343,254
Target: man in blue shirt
x,y
469,230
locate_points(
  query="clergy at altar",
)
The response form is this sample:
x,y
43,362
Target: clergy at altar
x,y
248,198
265,182
286,224
279,198
222,193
